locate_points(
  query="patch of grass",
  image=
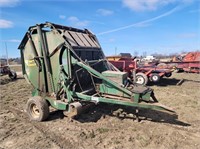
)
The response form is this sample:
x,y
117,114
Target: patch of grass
x,y
144,141
91,134
102,130
134,129
117,142
13,119
82,134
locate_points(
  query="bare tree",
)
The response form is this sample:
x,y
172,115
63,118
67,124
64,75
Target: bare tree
x,y
144,54
135,53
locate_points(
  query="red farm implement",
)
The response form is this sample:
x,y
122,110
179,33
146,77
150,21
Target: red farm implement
x,y
189,62
140,74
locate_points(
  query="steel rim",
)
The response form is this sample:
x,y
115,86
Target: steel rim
x,y
140,80
155,78
35,112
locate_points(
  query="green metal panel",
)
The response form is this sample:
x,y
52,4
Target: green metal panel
x,y
57,104
57,54
121,102
108,89
115,76
30,66
146,96
58,58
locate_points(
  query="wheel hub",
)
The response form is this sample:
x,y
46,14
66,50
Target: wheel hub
x,y
35,112
140,80
155,77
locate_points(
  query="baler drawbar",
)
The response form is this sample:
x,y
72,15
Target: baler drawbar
x,y
68,71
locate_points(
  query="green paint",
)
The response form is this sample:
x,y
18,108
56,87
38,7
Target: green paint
x,y
120,102
59,60
57,104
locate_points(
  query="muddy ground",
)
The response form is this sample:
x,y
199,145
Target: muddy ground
x,y
99,127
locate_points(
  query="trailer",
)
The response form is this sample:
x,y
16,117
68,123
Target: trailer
x,y
139,73
68,71
189,62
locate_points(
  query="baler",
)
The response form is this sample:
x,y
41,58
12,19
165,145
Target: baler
x,y
68,71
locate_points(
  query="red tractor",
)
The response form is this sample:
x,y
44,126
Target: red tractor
x,y
140,74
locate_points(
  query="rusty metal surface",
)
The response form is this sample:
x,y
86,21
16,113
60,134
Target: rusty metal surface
x,y
70,39
80,39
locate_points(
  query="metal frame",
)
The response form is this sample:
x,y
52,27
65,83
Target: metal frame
x,y
53,80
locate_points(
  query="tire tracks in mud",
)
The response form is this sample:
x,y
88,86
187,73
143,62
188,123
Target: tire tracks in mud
x,y
39,126
59,141
186,129
175,124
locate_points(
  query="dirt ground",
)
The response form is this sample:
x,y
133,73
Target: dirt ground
x,y
99,127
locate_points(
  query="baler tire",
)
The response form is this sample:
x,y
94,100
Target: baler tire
x,y
12,75
37,109
155,77
142,76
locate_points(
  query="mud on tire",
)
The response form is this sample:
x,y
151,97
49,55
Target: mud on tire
x,y
37,108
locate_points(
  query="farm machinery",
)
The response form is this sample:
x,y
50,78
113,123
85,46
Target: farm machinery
x,y
68,71
5,70
140,73
189,62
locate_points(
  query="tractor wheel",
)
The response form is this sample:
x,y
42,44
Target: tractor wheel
x,y
168,74
155,77
37,109
141,78
12,75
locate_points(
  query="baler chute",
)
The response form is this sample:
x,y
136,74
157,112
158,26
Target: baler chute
x,y
68,70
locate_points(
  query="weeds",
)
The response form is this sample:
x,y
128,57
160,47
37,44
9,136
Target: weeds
x,y
102,130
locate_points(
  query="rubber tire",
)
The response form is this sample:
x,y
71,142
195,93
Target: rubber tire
x,y
12,75
42,106
168,74
142,76
155,77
